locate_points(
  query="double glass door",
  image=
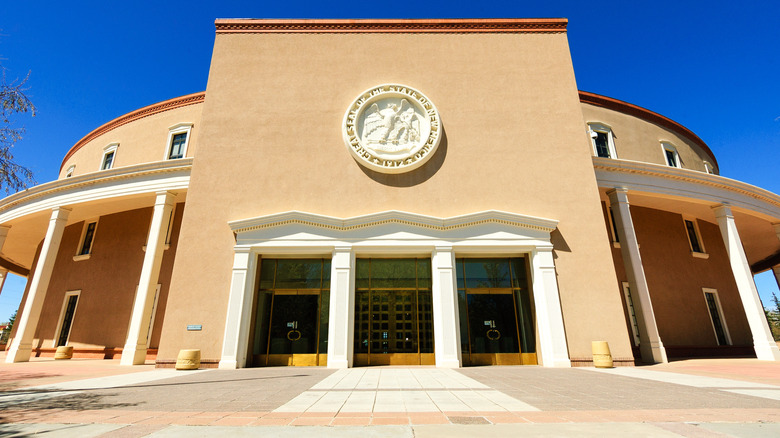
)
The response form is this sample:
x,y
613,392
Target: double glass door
x,y
393,312
496,313
291,324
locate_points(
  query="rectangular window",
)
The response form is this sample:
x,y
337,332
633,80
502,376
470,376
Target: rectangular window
x,y
177,146
671,156
716,317
615,238
695,243
693,238
631,313
87,238
602,144
66,318
108,161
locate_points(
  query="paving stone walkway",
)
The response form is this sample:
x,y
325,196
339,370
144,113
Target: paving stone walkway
x,y
652,401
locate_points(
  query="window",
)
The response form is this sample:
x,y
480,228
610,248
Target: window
x,y
66,318
87,238
716,317
109,156
708,168
178,140
69,173
631,313
613,224
671,157
602,140
694,237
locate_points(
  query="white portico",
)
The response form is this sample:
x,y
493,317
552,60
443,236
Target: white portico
x,y
390,235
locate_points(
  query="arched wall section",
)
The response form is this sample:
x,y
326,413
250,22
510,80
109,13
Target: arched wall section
x,y
142,136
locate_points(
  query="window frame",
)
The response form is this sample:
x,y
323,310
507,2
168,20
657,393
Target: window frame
x,y
61,319
669,147
179,128
596,127
80,255
702,254
69,172
108,150
714,292
629,300
709,168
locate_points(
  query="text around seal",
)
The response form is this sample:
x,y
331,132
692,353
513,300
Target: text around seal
x,y
392,128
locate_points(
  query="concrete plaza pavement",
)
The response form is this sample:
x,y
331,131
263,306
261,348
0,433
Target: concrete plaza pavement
x,y
728,397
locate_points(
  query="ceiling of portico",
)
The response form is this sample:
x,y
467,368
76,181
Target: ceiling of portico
x,y
755,229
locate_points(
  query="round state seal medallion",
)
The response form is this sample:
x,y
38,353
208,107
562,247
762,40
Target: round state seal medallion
x,y
392,128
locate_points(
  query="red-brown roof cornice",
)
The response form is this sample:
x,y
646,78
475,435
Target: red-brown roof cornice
x,y
176,102
646,114
446,25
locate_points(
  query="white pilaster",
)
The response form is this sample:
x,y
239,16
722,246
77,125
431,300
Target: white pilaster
x,y
239,314
650,344
134,351
764,344
28,320
3,272
341,325
446,326
549,318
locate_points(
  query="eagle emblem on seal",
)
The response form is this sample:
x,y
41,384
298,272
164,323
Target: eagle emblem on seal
x,y
394,128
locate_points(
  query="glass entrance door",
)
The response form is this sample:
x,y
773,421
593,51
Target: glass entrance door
x,y
292,338
496,314
393,312
291,313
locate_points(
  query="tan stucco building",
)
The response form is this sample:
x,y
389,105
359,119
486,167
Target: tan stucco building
x,y
455,201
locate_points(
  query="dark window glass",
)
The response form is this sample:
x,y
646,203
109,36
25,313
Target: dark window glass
x,y
695,246
67,320
86,245
614,225
108,160
671,158
484,273
712,305
602,144
177,146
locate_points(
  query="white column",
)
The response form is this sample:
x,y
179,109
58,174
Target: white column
x,y
764,344
239,314
28,320
3,272
776,269
446,322
549,318
341,325
134,351
650,344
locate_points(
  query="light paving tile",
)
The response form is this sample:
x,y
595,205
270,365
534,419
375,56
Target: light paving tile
x,y
427,379
477,401
464,380
389,401
332,380
387,380
506,402
359,401
773,394
369,380
446,401
679,379
418,401
330,402
302,402
407,380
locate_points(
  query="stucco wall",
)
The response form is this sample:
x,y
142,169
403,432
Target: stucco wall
x,y
675,279
513,141
140,141
107,281
639,140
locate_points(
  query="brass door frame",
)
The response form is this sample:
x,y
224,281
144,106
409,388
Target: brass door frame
x,y
520,358
296,359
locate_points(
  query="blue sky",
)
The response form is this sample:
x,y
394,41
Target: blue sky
x,y
712,66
